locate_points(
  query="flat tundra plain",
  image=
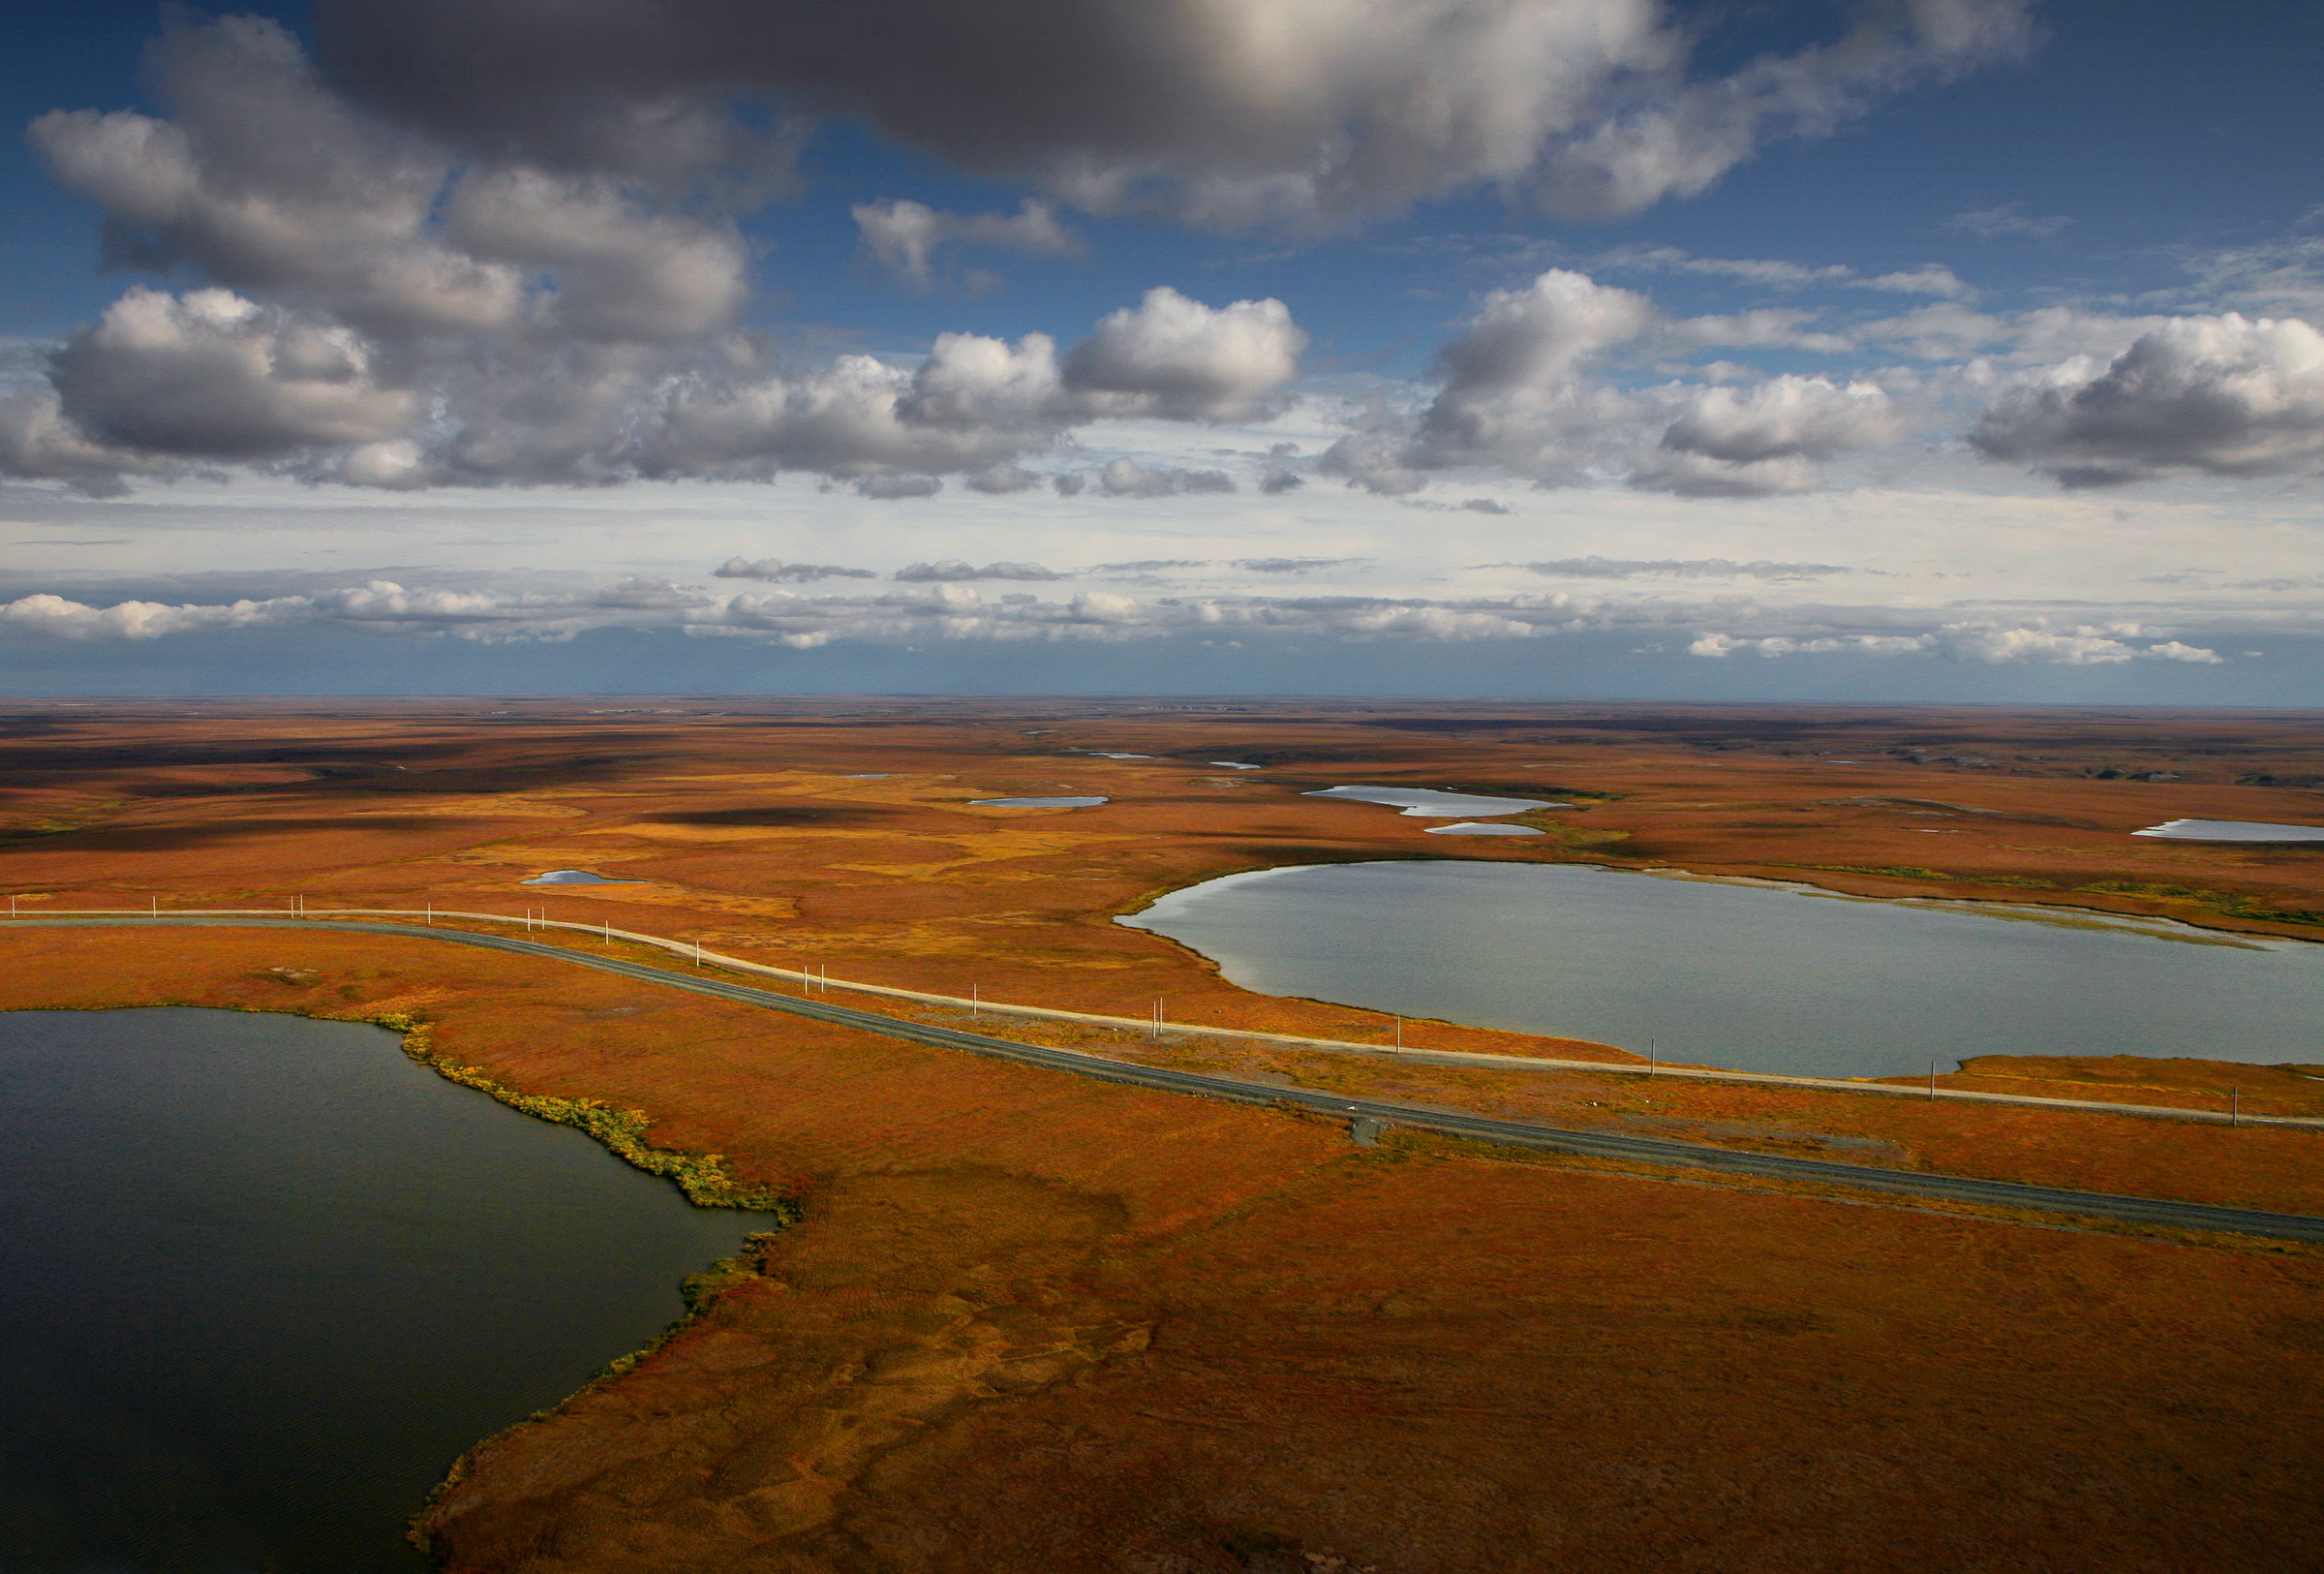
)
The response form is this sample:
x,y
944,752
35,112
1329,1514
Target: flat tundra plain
x,y
1030,1322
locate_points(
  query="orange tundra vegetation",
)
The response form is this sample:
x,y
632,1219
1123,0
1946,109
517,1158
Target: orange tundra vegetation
x,y
1032,1322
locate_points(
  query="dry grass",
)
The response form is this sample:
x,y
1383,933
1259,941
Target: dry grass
x,y
1030,1322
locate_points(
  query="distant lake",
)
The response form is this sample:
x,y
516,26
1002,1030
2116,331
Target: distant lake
x,y
264,1278
2232,830
1756,978
1429,803
1037,803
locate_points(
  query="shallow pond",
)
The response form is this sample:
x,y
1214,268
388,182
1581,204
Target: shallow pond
x,y
1752,978
575,877
1037,803
2232,830
264,1278
1430,804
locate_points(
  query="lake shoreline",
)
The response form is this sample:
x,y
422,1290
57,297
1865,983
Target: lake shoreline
x,y
1584,955
701,1177
847,1287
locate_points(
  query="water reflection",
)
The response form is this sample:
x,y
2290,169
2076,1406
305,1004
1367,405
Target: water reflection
x,y
264,1278
1749,976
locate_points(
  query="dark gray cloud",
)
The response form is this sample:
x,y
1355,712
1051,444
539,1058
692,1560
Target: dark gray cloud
x,y
1761,441
1291,564
892,487
1127,478
2201,395
210,376
1280,480
380,309
1284,111
1004,479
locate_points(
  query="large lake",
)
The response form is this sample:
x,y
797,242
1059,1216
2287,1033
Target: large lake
x,y
263,1278
1750,978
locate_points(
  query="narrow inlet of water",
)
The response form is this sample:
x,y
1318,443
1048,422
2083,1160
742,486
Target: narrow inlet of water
x,y
264,1278
1747,978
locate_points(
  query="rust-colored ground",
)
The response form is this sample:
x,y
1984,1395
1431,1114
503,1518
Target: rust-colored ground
x,y
1036,1323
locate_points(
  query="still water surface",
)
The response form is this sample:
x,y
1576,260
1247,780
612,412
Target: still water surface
x,y
1752,978
263,1278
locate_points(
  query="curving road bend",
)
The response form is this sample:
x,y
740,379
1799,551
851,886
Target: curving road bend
x,y
2158,1211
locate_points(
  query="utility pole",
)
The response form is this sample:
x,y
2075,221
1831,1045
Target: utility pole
x,y
2235,1106
1399,1033
976,1005
1650,1054
1931,1081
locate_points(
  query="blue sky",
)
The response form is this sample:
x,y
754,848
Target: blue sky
x,y
1941,349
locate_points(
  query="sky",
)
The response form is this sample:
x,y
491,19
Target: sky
x,y
1867,350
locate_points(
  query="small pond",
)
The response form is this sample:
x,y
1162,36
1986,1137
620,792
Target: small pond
x,y
1038,803
1751,977
264,1278
1428,804
575,877
2232,830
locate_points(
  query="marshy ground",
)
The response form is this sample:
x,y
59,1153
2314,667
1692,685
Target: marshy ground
x,y
1032,1322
